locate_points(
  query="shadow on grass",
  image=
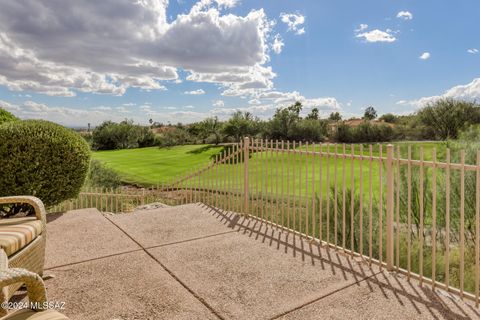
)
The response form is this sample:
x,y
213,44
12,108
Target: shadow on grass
x,y
203,149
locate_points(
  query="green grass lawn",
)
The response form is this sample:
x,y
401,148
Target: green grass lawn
x,y
149,166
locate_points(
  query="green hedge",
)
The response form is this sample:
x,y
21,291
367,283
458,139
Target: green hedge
x,y
6,116
43,159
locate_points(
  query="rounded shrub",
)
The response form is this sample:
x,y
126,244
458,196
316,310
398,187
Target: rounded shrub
x,y
6,116
42,159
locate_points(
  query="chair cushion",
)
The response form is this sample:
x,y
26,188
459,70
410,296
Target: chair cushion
x,y
27,314
16,233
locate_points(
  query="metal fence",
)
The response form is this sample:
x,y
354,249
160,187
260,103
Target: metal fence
x,y
391,206
397,207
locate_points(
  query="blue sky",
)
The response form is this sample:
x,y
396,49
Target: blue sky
x,y
76,62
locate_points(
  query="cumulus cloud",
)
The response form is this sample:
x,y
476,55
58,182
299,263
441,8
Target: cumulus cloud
x,y
294,21
468,92
405,15
425,56
277,99
64,115
108,46
472,51
195,92
218,103
239,82
375,35
277,44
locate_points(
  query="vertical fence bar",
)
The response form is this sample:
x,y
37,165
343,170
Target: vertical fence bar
x,y
380,207
320,196
224,182
288,185
352,199
272,209
263,160
370,207
421,216
434,216
257,173
390,207
236,169
216,187
462,221
300,206
477,230
246,155
328,194
283,183
294,189
335,197
447,221
229,179
306,189
233,177
360,189
313,191
344,197
397,211
409,212
276,184
265,202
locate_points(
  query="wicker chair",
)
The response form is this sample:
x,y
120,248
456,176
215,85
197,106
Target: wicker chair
x,y
37,296
26,247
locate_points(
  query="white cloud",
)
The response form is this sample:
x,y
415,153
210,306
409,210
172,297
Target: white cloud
x,y
361,27
64,115
240,82
189,107
405,15
472,51
195,92
282,99
218,103
468,92
103,108
146,108
277,44
294,22
375,35
425,56
205,4
111,45
122,110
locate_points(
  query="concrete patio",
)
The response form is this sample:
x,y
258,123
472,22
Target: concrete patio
x,y
191,262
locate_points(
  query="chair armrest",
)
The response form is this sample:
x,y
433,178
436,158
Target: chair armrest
x,y
36,203
34,283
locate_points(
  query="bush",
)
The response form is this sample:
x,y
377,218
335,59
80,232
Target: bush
x,y
125,135
6,116
447,117
365,132
42,159
389,118
173,137
309,130
101,176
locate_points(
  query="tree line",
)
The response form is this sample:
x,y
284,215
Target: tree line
x,y
443,119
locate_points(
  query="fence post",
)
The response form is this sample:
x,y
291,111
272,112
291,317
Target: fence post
x,y
390,207
246,146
